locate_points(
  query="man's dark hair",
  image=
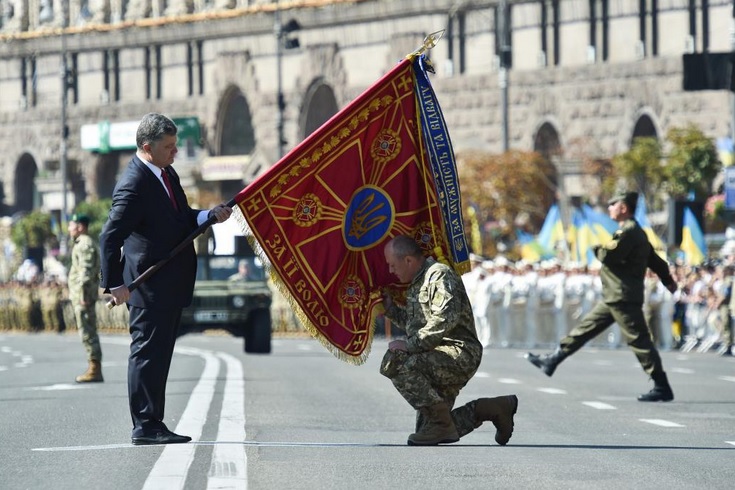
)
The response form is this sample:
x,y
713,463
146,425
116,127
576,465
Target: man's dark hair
x,y
153,127
405,246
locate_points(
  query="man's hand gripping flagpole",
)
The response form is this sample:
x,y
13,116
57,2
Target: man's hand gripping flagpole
x,y
175,251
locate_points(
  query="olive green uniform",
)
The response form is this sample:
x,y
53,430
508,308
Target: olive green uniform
x,y
624,262
443,350
84,291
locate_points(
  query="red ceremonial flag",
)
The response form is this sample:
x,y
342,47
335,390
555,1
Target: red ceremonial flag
x,y
322,215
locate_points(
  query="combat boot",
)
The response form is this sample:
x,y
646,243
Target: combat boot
x,y
93,373
499,411
547,363
661,391
438,429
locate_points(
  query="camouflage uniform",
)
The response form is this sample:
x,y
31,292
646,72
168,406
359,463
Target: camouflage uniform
x,y
443,350
83,292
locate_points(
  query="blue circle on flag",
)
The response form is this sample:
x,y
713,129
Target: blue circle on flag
x,y
368,218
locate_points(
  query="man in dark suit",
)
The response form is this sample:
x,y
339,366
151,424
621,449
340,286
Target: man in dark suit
x,y
149,217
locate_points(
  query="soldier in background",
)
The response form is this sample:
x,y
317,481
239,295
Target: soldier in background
x,y
83,294
625,260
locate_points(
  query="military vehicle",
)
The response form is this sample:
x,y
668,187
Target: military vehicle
x,y
231,293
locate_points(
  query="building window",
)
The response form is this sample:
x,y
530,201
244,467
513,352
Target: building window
x,y
195,68
190,68
28,82
654,27
544,41
605,16
200,65
642,27
705,26
693,19
556,31
593,25
111,69
153,72
73,78
148,74
503,37
456,45
159,71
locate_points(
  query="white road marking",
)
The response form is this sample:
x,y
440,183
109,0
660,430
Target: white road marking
x,y
59,387
602,363
481,374
599,405
727,378
509,381
661,423
218,443
682,370
229,467
553,391
730,442
172,466
3,368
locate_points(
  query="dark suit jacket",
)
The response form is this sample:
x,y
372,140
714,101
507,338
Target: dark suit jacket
x,y
145,224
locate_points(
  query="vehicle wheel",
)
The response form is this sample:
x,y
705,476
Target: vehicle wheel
x,y
258,332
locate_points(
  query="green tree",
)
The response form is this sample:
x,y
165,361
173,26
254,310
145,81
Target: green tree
x,y
97,212
638,169
505,187
692,163
32,230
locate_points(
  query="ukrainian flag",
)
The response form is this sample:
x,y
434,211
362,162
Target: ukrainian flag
x,y
552,231
641,216
692,239
531,249
589,228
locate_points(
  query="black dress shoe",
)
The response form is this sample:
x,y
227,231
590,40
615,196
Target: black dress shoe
x,y
160,437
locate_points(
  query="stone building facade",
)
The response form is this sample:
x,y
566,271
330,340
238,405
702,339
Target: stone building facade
x,y
585,78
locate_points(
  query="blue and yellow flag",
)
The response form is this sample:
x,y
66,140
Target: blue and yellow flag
x,y
692,239
641,216
552,231
531,249
321,216
588,228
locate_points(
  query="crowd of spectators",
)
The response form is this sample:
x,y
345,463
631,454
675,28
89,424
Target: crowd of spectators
x,y
527,304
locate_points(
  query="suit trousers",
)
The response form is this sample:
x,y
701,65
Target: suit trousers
x,y
153,335
632,323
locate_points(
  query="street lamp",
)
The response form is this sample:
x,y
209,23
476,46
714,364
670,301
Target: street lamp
x,y
284,40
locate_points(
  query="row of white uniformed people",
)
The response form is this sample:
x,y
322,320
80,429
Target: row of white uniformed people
x,y
539,307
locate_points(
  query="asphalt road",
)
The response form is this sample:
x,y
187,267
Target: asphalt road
x,y
301,419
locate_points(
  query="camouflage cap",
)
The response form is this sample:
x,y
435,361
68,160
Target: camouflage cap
x,y
630,199
80,218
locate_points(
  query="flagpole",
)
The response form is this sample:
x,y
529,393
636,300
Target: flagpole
x,y
173,253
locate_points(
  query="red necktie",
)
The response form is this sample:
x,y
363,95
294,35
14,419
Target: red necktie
x,y
164,176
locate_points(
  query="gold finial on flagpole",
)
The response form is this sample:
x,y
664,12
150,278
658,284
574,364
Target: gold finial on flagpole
x,y
429,42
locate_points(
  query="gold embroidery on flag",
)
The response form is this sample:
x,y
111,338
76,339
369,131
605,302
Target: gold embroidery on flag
x,y
308,210
352,292
385,146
